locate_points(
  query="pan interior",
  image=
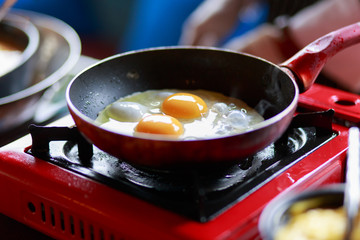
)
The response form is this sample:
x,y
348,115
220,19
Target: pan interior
x,y
260,84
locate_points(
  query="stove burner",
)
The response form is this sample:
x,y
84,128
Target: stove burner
x,y
215,179
200,194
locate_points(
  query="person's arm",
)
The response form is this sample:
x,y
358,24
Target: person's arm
x,y
211,21
306,26
322,18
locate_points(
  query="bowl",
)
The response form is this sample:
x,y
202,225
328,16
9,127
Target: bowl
x,y
281,210
59,52
19,43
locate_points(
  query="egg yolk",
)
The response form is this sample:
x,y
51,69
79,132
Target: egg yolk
x,y
160,124
184,105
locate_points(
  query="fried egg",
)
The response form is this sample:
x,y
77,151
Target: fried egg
x,y
160,124
180,114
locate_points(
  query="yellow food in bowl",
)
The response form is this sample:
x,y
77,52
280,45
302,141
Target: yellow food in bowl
x,y
316,224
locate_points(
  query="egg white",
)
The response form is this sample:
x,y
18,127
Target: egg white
x,y
226,115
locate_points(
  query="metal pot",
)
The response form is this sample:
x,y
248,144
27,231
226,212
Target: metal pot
x,y
59,51
24,36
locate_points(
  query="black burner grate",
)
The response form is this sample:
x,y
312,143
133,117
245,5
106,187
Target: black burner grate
x,y
200,194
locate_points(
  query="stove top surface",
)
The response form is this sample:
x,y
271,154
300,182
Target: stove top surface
x,y
63,198
197,193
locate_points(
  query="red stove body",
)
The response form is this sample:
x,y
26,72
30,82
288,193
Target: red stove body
x,y
66,205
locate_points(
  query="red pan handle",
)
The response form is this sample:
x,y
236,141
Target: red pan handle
x,y
308,62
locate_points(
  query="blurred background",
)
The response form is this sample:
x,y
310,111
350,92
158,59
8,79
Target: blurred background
x,y
107,27
110,26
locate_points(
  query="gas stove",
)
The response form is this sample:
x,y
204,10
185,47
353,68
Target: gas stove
x,y
58,184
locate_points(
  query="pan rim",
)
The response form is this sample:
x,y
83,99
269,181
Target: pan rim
x,y
270,121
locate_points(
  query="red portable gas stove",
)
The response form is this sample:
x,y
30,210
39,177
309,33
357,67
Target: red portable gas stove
x,y
68,189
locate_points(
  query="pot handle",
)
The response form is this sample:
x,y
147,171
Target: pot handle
x,y
308,62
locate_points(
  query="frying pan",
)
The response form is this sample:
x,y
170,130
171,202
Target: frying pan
x,y
271,89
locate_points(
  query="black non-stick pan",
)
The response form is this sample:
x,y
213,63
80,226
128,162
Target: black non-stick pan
x,y
271,89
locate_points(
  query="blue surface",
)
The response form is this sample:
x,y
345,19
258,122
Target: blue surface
x,y
76,13
159,23
134,24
